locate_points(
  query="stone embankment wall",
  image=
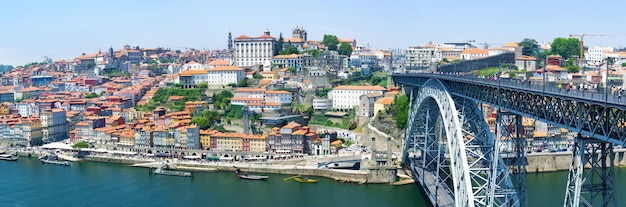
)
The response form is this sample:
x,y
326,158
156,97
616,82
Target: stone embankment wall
x,y
353,176
549,162
116,160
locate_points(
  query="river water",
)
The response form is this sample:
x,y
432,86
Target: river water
x,y
30,183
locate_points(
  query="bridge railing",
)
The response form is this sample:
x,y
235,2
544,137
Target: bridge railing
x,y
598,94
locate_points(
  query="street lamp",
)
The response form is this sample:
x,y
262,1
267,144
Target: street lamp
x,y
545,66
606,83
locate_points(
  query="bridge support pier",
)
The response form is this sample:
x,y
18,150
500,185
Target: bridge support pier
x,y
509,132
596,184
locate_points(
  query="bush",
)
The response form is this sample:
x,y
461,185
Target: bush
x,y
400,107
91,95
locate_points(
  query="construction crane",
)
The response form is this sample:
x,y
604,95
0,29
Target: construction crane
x,y
581,36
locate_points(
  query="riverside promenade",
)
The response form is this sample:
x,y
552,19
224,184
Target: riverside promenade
x,y
308,165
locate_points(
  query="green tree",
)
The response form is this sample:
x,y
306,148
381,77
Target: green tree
x,y
330,41
91,95
244,83
292,69
5,68
80,145
234,111
323,93
201,121
289,49
566,47
572,69
257,76
400,107
279,43
222,99
345,49
315,53
541,58
623,64
610,60
203,85
531,48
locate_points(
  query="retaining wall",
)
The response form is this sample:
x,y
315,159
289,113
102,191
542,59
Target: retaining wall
x,y
561,161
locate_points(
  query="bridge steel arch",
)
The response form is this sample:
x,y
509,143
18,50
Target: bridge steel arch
x,y
600,122
448,141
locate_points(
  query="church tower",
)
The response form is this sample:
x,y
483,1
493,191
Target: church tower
x,y
230,42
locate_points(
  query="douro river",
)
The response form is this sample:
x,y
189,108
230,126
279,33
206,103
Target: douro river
x,y
27,182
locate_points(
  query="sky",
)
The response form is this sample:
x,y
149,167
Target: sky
x,y
64,29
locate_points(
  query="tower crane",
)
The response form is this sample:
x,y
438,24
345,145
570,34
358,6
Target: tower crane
x,y
580,56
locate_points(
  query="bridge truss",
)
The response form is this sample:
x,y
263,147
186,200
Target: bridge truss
x,y
452,152
600,124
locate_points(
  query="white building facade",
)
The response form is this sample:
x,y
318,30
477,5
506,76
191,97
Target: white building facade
x,y
254,51
322,104
346,97
288,61
192,66
282,97
225,75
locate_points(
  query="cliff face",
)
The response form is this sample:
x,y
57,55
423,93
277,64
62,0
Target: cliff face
x,y
383,130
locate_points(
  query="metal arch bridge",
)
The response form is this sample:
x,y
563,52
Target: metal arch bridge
x,y
457,160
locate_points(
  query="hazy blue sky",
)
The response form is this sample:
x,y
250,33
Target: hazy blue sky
x,y
65,29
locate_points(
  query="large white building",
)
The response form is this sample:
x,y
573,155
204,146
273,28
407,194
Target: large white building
x,y
224,75
192,77
193,65
282,97
254,51
252,94
260,100
474,53
345,97
288,61
419,57
596,54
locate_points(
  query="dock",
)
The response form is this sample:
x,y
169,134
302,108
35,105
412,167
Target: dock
x,y
162,171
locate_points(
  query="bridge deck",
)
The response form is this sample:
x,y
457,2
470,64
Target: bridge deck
x,y
551,89
438,195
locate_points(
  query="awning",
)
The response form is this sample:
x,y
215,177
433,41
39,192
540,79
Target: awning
x,y
57,145
191,157
123,153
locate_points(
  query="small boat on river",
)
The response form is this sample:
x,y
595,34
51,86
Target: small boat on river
x,y
245,176
302,179
9,157
162,170
55,162
53,159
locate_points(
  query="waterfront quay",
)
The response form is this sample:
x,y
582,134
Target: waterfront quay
x,y
280,164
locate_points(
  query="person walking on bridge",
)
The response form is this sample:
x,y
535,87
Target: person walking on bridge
x,y
560,87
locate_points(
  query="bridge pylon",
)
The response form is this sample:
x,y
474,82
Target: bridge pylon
x,y
510,134
593,186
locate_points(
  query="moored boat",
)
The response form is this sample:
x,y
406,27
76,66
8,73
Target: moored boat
x,y
160,171
304,179
55,162
253,177
9,157
250,177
